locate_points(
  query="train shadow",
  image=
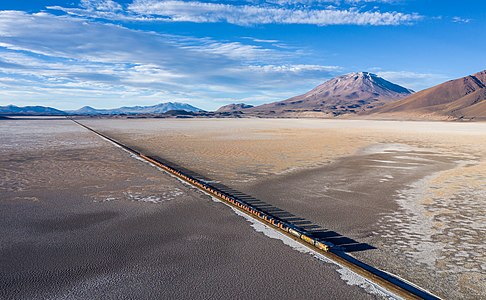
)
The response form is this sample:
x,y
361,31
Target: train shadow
x,y
324,235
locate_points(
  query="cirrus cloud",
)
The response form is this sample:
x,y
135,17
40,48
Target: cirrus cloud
x,y
245,15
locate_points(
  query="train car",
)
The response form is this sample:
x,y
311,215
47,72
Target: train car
x,y
283,226
294,232
322,246
307,239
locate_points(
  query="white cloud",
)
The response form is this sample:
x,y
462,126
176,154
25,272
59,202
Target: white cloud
x,y
261,40
68,37
298,68
205,12
267,12
372,1
101,5
460,20
335,2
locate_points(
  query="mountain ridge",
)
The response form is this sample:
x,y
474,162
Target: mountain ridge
x,y
233,107
345,94
461,98
88,110
151,109
35,110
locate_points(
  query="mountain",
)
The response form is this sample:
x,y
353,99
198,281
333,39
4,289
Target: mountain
x,y
347,94
233,107
463,98
87,110
30,111
131,110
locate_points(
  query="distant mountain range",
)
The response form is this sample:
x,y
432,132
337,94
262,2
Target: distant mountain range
x,y
131,110
87,110
30,111
463,98
347,94
354,95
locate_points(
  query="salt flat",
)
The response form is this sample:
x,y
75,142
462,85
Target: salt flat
x,y
82,219
407,197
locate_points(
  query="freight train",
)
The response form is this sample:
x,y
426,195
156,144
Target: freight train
x,y
263,216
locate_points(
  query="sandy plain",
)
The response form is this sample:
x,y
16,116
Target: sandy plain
x,y
82,219
407,197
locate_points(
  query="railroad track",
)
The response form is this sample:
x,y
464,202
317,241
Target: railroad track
x,y
389,282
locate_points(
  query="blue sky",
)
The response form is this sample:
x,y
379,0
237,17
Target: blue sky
x,y
110,53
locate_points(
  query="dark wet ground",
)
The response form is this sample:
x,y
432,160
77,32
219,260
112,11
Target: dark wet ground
x,y
350,194
348,199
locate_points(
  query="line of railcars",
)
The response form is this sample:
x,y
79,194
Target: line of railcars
x,y
275,221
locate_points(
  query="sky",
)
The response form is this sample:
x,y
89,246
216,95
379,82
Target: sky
x,y
111,53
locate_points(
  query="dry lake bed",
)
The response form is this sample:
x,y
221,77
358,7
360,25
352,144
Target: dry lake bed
x,y
82,218
406,197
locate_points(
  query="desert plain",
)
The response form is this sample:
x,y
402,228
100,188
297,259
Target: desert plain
x,y
80,215
406,197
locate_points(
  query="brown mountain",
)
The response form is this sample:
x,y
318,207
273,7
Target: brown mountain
x,y
234,107
347,94
463,98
